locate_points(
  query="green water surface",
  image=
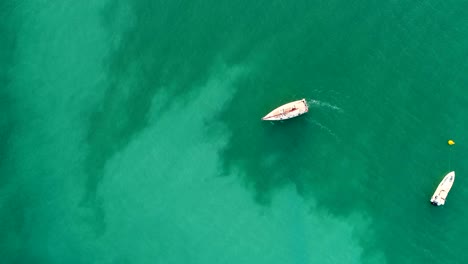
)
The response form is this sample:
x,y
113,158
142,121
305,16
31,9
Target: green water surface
x,y
131,131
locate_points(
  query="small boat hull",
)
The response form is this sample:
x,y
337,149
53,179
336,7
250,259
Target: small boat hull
x,y
439,196
288,111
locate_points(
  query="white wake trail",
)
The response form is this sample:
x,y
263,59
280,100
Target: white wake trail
x,y
317,103
324,128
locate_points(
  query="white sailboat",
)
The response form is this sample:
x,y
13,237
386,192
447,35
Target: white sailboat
x,y
288,111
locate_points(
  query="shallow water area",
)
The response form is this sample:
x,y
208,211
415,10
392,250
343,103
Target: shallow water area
x,y
132,134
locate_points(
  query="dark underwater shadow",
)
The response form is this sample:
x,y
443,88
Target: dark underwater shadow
x,y
158,46
170,47
366,167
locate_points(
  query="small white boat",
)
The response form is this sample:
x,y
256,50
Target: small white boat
x,y
439,196
288,111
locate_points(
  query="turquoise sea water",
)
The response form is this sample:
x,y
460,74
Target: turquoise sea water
x,y
131,131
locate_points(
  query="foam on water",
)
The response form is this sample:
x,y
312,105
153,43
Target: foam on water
x,y
325,105
324,128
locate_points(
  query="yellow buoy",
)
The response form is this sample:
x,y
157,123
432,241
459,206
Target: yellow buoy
x,y
451,142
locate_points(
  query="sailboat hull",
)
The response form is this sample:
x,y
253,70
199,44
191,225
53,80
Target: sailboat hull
x,y
288,111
